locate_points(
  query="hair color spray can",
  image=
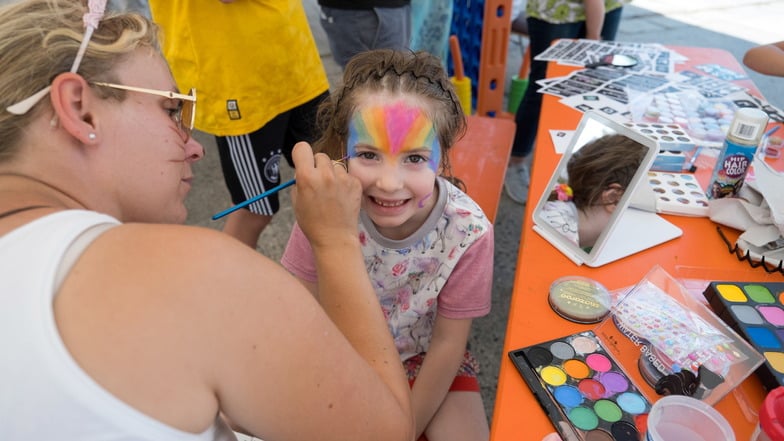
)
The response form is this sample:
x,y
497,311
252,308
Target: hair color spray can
x,y
738,151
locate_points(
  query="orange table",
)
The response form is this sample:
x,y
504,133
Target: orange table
x,y
480,158
698,254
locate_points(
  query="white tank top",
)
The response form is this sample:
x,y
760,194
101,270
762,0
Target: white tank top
x,y
44,394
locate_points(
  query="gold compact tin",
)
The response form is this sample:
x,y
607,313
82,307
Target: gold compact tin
x,y
579,299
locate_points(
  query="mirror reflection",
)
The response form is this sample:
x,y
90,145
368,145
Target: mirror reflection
x,y
587,191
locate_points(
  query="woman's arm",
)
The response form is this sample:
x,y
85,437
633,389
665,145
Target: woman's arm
x,y
766,59
341,369
594,19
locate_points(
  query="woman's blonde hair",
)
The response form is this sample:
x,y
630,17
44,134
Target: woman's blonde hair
x,y
39,40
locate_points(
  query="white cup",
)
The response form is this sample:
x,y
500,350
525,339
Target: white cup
x,y
682,418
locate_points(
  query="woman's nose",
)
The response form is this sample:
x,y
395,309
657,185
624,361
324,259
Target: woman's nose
x,y
194,150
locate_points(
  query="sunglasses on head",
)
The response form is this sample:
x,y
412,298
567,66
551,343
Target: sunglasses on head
x,y
185,114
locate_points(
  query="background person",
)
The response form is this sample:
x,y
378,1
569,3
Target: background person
x,y
260,81
767,59
354,26
549,20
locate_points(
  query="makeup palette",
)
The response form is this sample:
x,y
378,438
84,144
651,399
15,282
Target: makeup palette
x,y
756,311
678,193
585,392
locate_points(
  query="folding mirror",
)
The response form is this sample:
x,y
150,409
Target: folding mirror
x,y
584,210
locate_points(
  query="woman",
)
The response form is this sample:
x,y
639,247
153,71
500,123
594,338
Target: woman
x,y
119,324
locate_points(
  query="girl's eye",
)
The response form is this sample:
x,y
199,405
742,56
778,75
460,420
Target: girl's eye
x,y
366,155
416,159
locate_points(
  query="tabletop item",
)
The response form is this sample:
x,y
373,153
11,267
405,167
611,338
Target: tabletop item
x,y
738,151
682,418
579,299
756,311
771,417
620,236
678,193
585,393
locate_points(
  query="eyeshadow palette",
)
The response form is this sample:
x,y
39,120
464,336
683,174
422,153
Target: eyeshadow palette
x,y
584,391
755,310
678,193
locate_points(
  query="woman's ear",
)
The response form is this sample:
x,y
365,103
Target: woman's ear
x,y
71,100
611,196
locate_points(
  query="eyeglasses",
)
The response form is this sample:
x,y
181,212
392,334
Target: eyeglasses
x,y
185,114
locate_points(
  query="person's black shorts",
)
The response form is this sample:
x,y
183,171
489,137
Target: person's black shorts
x,y
251,163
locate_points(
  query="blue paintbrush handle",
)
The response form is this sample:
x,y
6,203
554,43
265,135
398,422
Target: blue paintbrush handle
x,y
269,192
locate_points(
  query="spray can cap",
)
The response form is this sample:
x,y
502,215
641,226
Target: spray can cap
x,y
748,125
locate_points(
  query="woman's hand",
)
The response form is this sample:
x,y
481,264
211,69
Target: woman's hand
x,y
326,198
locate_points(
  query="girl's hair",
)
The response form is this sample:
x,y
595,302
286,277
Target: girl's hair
x,y
419,74
39,40
611,159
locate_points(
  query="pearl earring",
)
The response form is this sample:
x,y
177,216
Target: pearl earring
x,y
92,136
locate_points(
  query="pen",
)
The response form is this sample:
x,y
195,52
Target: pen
x,y
269,192
693,168
244,204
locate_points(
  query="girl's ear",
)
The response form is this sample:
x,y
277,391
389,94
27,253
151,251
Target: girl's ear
x,y
71,99
611,196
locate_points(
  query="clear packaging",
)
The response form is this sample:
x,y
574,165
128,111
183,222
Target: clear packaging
x,y
675,343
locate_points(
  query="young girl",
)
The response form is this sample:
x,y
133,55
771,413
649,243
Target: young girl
x,y
598,175
428,247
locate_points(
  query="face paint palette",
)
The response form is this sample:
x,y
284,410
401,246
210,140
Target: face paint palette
x,y
756,311
585,392
678,193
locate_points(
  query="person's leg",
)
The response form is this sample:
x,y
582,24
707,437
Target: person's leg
x,y
302,125
541,35
612,21
251,165
349,31
394,28
460,417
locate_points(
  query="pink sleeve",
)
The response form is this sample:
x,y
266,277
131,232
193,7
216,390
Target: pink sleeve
x,y
467,293
298,256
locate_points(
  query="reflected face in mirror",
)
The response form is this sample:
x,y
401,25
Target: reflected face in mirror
x,y
590,187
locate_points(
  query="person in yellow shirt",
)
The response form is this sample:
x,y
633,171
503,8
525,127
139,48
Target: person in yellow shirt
x,y
260,80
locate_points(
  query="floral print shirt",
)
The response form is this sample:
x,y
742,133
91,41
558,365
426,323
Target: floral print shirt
x,y
444,268
565,11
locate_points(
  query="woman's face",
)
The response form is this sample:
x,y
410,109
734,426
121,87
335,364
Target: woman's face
x,y
394,151
143,148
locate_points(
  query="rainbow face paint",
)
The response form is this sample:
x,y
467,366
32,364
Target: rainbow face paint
x,y
396,130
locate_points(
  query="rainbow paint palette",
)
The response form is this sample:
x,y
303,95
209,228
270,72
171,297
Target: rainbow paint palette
x,y
584,391
756,311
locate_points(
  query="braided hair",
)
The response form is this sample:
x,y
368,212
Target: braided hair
x,y
418,74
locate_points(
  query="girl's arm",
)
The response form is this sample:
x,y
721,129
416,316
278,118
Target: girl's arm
x,y
447,346
594,19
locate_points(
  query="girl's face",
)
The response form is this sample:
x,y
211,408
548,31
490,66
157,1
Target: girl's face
x,y
395,153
